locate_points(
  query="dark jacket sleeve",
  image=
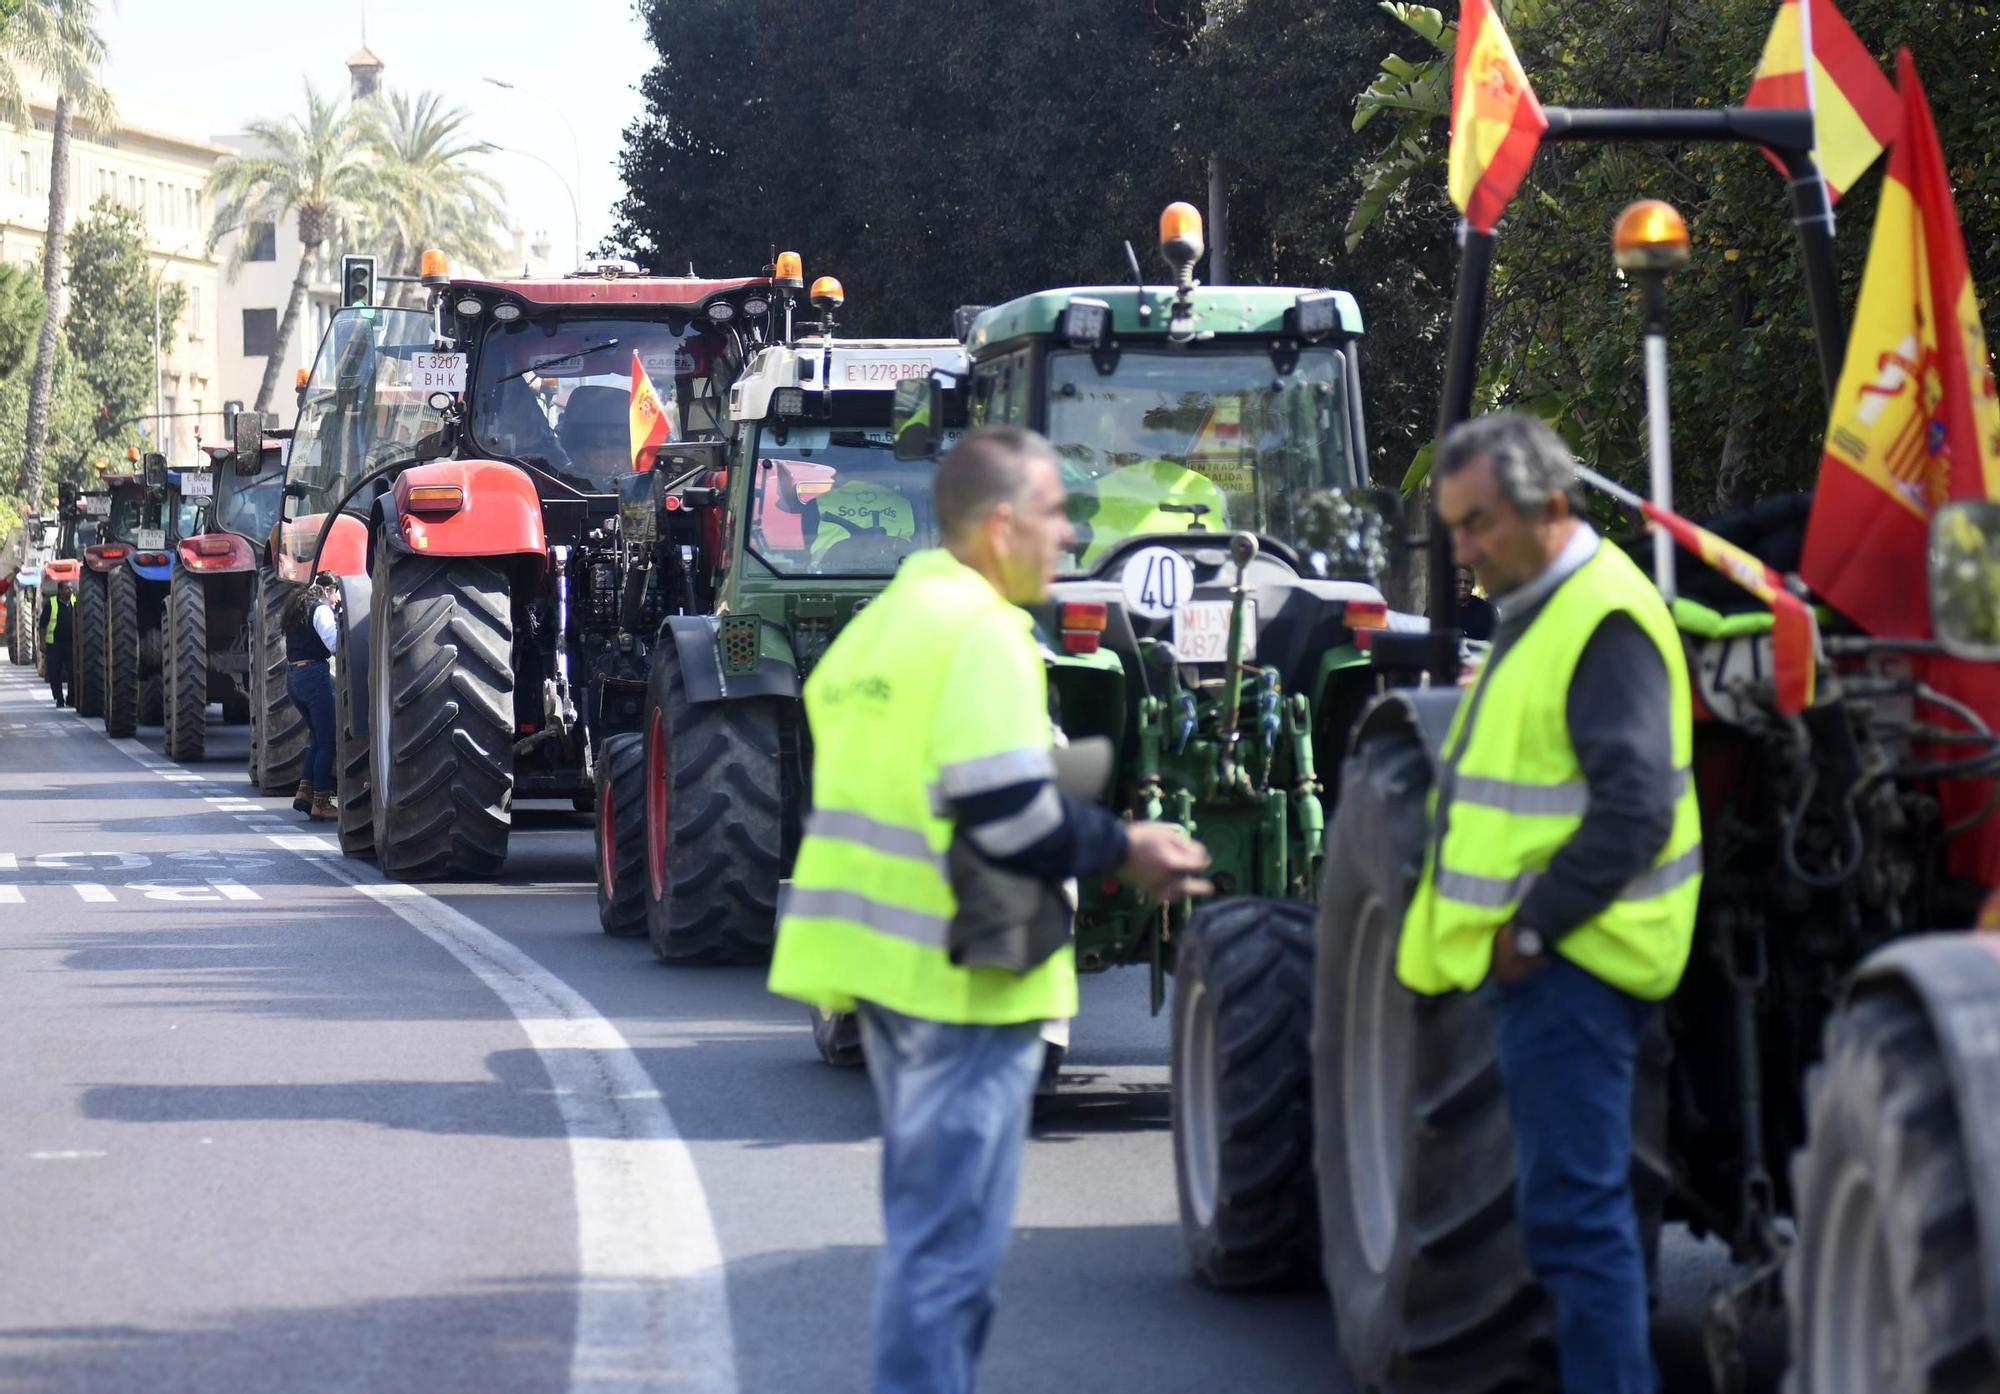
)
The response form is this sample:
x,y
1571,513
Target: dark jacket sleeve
x,y
1621,724
1085,839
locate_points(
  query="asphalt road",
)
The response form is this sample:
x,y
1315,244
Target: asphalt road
x,y
270,1123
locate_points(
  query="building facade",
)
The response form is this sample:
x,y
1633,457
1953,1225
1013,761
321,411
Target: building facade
x,y
156,159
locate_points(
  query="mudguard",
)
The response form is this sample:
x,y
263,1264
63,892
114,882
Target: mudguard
x,y
1424,710
501,514
345,553
697,644
356,593
161,573
1957,979
62,569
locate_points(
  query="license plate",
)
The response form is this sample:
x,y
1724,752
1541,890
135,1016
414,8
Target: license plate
x,y
149,539
1201,631
197,486
98,506
437,372
858,371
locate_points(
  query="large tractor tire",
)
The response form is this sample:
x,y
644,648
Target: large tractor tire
x,y
278,732
1421,1246
31,632
1242,1093
353,795
621,835
714,822
121,654
16,644
1884,1285
186,659
86,669
441,717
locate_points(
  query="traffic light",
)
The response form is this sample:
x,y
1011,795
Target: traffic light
x,y
357,280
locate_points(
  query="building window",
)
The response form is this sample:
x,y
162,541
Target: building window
x,y
263,242
194,313
22,180
260,333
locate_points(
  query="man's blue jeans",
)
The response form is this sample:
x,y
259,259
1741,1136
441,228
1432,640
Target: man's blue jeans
x,y
310,686
1568,1045
954,1103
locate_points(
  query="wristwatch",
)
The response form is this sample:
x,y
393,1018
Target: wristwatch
x,y
1529,943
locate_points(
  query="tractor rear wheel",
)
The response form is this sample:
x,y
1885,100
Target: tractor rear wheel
x,y
121,653
714,822
31,632
441,715
353,796
278,732
153,642
16,649
186,659
621,835
837,1037
1242,1093
86,665
1421,1246
1884,1286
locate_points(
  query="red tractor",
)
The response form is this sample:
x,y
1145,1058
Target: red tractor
x,y
465,481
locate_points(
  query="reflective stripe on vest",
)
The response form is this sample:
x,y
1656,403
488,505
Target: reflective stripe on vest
x,y
822,904
1512,793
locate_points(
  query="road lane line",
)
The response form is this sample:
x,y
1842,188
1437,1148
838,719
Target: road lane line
x,y
11,895
93,893
652,1303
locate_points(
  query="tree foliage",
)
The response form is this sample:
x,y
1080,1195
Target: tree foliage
x,y
1563,335
433,191
20,316
109,328
929,152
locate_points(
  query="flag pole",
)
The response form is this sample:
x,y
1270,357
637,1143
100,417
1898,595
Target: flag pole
x,y
1468,324
1812,205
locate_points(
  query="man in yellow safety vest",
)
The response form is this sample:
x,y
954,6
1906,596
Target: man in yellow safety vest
x,y
1565,864
934,801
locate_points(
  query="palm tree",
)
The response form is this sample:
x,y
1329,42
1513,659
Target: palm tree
x,y
55,40
313,168
434,194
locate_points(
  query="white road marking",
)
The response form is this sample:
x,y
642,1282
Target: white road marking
x,y
182,777
652,1307
233,890
93,893
11,895
78,1156
7,862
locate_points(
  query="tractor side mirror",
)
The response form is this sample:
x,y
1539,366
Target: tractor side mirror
x,y
248,438
153,468
917,415
1965,579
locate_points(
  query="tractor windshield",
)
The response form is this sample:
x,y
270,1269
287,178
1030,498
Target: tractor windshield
x,y
835,501
360,412
249,507
558,393
1171,441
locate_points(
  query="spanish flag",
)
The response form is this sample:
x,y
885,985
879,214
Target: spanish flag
x,y
1855,111
1496,120
1915,422
648,421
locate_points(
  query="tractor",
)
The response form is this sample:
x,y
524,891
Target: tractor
x,y
212,600
24,611
136,588
53,563
123,516
473,513
1819,1093
748,556
1229,553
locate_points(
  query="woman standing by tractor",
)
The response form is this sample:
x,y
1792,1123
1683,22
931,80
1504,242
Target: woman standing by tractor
x,y
312,626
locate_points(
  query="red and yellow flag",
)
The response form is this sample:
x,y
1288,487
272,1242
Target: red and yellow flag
x,y
1855,110
1915,422
648,421
1496,120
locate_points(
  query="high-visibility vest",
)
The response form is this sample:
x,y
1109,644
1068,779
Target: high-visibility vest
x,y
934,691
1511,792
57,603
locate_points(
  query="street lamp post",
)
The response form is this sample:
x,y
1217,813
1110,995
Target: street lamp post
x,y
575,158
576,222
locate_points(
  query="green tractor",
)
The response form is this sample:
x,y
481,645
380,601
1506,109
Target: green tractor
x,y
1208,627
746,556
